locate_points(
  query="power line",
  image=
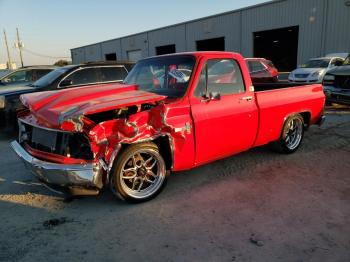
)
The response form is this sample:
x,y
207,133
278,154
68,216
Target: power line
x,y
41,55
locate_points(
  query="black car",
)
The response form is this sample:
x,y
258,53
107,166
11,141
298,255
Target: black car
x,y
63,77
336,84
24,75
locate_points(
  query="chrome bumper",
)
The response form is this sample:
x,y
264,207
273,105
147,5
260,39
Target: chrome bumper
x,y
84,175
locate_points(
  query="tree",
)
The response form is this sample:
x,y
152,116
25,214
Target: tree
x,y
61,63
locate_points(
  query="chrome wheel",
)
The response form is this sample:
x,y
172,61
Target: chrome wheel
x,y
142,173
293,133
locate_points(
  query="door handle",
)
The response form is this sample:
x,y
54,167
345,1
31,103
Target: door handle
x,y
247,98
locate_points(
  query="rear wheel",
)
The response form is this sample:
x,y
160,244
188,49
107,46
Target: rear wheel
x,y
139,173
292,135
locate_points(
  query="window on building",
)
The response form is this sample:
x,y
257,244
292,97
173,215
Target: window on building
x,y
111,57
165,49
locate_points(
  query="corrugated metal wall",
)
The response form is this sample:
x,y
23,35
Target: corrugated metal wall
x,y
308,14
133,43
323,28
227,26
112,46
167,36
337,27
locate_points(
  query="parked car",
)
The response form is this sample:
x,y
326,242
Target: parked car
x,y
336,84
128,136
24,76
262,70
314,70
4,72
60,78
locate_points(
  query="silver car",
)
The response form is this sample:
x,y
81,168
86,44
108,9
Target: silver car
x,y
314,70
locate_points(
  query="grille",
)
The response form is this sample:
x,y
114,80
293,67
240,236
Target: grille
x,y
341,97
301,75
342,82
75,145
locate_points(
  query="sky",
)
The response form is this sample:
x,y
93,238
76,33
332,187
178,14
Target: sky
x,y
51,28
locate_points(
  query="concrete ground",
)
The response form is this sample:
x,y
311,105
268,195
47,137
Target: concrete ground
x,y
255,206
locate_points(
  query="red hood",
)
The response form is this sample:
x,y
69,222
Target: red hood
x,y
54,107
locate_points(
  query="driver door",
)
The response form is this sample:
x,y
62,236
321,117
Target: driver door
x,y
227,124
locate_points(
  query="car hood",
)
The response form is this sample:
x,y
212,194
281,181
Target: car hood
x,y
340,71
15,89
307,70
52,108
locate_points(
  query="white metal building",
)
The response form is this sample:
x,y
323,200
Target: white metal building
x,y
286,31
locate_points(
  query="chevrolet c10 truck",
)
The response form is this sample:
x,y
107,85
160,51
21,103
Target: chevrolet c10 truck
x,y
172,113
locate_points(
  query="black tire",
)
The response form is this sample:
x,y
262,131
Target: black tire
x,y
288,146
147,178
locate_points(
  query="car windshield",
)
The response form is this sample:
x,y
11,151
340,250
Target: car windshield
x,y
50,77
317,63
169,75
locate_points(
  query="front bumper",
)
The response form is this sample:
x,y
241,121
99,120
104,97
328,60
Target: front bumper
x,y
61,175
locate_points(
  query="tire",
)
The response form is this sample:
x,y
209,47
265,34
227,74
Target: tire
x,y
139,173
291,136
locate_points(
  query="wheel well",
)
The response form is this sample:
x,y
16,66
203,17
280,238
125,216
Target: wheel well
x,y
165,150
307,117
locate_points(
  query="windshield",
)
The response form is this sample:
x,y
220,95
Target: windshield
x,y
50,77
347,61
169,75
317,63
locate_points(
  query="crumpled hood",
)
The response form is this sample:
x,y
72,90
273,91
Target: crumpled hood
x,y
51,108
307,70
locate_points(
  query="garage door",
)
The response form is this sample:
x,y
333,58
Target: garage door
x,y
134,55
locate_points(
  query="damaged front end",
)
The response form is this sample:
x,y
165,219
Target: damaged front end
x,y
78,150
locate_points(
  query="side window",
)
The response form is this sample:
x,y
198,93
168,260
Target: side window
x,y
223,75
84,76
256,66
112,74
19,76
39,73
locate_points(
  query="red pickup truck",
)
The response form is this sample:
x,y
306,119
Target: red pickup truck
x,y
172,113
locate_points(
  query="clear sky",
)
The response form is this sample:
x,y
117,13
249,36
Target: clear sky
x,y
52,27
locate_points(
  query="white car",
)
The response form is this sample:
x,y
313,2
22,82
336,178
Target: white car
x,y
314,70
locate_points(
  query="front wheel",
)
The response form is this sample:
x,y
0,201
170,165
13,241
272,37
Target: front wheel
x,y
292,135
139,173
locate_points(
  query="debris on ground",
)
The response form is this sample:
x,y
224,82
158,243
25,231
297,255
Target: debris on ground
x,y
253,239
48,224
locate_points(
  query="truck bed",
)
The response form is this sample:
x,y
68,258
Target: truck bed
x,y
278,103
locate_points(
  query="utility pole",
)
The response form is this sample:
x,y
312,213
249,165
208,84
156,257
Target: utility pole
x,y
20,46
8,52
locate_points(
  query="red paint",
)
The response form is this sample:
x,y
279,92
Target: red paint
x,y
199,132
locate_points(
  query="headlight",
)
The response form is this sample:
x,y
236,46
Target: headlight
x,y
291,75
329,78
317,73
2,102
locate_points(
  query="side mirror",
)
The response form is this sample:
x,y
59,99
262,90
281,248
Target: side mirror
x,y
214,96
66,82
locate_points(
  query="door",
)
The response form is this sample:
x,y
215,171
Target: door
x,y
223,125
